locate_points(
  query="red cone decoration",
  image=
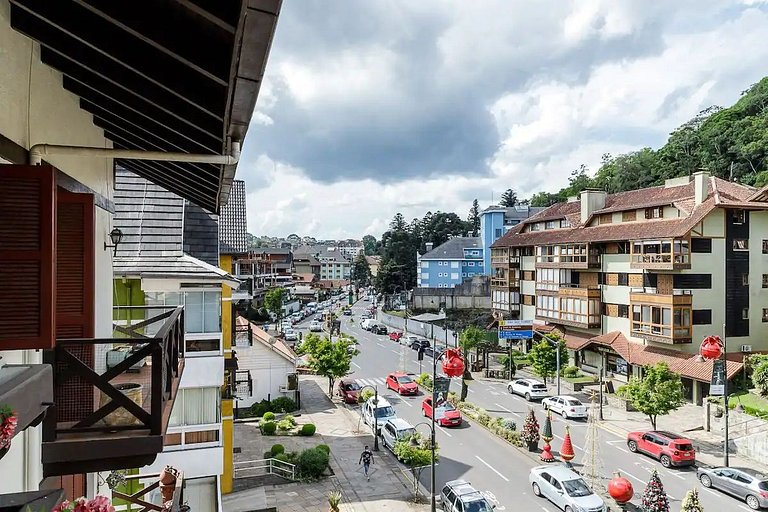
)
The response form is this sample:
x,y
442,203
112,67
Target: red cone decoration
x,y
546,435
453,364
566,451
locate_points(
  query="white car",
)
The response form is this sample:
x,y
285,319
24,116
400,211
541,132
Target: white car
x,y
408,339
565,489
566,406
531,389
367,323
315,326
383,411
291,335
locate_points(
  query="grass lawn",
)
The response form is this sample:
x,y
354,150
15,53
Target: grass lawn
x,y
584,379
753,404
401,314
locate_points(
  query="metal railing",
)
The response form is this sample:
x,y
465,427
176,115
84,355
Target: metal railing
x,y
259,467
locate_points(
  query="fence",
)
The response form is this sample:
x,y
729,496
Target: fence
x,y
427,330
259,467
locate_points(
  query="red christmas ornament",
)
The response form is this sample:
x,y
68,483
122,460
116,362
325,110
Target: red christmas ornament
x,y
711,347
566,451
453,364
620,488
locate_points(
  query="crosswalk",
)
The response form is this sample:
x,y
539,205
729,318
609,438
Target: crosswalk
x,y
372,382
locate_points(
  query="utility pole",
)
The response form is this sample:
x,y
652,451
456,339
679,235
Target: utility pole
x,y
725,392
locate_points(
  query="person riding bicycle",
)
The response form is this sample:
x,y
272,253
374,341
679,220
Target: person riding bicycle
x,y
366,458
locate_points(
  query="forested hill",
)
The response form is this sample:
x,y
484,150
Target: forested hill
x,y
732,143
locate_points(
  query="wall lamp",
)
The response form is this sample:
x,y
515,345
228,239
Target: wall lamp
x,y
116,236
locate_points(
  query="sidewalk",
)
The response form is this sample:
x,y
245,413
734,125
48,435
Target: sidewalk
x,y
387,491
688,421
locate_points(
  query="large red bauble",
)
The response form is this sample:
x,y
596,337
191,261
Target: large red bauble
x,y
620,489
453,364
711,347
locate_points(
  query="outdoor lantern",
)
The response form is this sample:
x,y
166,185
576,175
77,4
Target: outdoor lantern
x,y
116,236
711,347
620,488
453,364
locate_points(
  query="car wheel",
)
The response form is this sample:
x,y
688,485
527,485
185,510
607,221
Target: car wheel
x,y
528,396
705,481
753,502
564,414
545,406
568,509
509,388
665,461
536,490
632,446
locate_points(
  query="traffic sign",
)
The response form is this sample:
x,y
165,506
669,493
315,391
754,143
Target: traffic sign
x,y
515,334
516,323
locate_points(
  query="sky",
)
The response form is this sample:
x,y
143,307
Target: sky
x,y
373,107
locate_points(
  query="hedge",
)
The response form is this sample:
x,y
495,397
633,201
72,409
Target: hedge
x,y
308,429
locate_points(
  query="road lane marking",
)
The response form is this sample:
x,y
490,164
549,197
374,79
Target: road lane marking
x,y
470,390
507,410
624,472
356,365
379,344
493,469
617,447
406,402
443,430
676,475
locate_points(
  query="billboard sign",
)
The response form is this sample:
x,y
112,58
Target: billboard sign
x,y
440,392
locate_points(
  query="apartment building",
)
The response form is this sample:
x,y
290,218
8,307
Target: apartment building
x,y
449,264
495,221
79,83
643,276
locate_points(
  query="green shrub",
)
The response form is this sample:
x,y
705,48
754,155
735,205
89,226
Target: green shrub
x,y
290,419
508,424
324,447
571,371
260,408
365,395
284,425
307,430
424,380
311,463
283,457
268,428
277,449
268,416
283,404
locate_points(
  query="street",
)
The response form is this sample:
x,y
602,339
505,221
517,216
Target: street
x,y
472,453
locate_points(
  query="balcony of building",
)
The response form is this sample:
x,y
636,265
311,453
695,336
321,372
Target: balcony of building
x,y
504,258
504,280
569,310
150,492
660,254
663,318
574,256
578,291
245,290
113,396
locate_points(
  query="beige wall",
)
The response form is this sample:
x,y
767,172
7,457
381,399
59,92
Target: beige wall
x,y
528,263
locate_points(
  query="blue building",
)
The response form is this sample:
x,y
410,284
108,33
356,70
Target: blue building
x,y
495,221
449,264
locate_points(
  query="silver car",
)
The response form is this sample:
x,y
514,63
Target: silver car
x,y
460,496
565,489
743,483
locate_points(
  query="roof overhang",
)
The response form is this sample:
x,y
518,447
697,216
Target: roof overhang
x,y
176,75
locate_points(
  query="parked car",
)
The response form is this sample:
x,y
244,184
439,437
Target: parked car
x,y
395,336
670,449
379,329
381,411
291,335
743,483
564,488
367,323
347,312
348,390
566,406
366,299
445,413
365,316
419,342
395,430
408,339
315,326
460,496
402,383
531,389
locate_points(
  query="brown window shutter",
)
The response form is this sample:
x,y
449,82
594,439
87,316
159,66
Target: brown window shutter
x,y
27,256
75,299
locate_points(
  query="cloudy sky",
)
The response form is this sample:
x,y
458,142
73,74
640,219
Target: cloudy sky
x,y
372,107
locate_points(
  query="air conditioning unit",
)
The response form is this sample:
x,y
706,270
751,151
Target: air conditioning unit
x,y
746,348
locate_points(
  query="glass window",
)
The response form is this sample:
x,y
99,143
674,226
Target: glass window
x,y
765,280
738,216
195,406
740,244
498,232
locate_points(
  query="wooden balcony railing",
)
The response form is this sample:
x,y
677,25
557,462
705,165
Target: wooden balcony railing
x,y
113,396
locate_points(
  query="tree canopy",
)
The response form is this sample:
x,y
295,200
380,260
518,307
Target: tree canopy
x,y
659,392
361,271
508,198
473,221
543,356
273,301
370,245
330,359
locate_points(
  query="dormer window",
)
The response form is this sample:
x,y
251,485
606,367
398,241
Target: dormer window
x,y
657,212
536,226
551,224
565,223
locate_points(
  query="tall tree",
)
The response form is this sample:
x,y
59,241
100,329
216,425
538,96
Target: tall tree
x,y
471,338
273,301
369,245
508,198
331,359
658,392
543,356
544,199
473,221
361,271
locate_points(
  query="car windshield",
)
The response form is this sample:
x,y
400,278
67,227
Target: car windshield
x,y
404,379
574,403
352,387
477,506
383,412
446,406
576,488
539,386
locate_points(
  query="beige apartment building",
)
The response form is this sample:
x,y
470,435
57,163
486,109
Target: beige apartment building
x,y
643,276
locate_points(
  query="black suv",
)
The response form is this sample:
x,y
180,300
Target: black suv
x,y
420,343
379,329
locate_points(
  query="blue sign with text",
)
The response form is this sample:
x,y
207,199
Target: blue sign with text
x,y
510,334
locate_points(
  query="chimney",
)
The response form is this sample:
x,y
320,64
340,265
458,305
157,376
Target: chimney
x,y
429,246
700,186
591,201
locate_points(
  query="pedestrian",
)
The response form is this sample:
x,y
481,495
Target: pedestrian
x,y
366,458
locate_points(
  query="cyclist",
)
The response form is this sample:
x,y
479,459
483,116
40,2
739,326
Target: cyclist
x,y
366,458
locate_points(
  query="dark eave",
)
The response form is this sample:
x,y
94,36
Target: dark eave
x,y
168,75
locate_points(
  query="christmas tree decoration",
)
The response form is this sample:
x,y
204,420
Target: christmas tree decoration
x,y
530,433
654,497
566,451
546,435
591,462
691,502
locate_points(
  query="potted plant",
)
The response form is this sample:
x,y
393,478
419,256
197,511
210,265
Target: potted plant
x,y
7,428
334,499
83,504
530,433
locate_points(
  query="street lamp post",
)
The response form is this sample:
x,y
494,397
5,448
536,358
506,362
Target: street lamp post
x,y
375,416
557,348
431,425
725,397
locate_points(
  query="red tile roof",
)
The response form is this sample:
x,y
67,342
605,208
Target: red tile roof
x,y
268,341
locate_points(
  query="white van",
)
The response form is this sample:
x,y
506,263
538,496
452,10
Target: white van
x,y
367,323
383,412
395,430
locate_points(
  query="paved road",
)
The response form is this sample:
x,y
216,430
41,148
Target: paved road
x,y
472,453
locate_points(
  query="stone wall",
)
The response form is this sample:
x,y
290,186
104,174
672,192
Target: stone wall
x,y
473,293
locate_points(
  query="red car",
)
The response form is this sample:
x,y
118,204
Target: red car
x,y
447,414
670,449
402,383
349,391
395,336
